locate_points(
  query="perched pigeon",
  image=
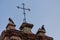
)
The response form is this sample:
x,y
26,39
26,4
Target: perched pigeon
x,y
11,20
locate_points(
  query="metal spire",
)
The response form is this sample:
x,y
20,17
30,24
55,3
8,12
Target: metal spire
x,y
24,20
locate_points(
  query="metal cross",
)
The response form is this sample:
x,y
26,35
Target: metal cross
x,y
23,11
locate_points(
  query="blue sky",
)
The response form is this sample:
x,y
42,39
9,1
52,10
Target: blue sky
x,y
45,12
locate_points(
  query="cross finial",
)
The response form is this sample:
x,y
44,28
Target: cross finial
x,y
24,20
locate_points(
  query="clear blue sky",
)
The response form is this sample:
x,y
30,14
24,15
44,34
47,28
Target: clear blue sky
x,y
45,12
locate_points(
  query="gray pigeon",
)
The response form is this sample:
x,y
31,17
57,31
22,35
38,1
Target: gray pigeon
x,y
11,20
